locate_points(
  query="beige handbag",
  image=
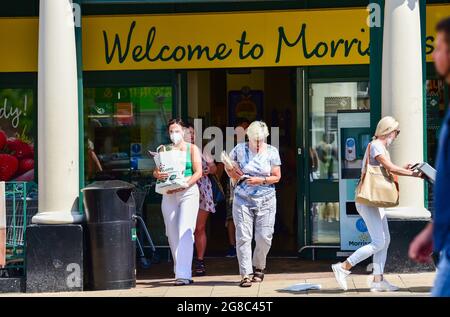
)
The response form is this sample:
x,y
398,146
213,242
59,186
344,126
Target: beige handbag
x,y
377,187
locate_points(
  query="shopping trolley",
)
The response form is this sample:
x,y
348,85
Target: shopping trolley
x,y
149,257
21,205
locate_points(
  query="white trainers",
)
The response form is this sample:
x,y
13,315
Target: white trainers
x,y
341,275
383,286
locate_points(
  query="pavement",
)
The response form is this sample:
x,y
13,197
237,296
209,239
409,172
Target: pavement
x,y
222,281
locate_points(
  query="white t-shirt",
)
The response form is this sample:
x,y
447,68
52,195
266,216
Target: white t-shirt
x,y
376,148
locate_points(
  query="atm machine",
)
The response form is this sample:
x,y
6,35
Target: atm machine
x,y
353,137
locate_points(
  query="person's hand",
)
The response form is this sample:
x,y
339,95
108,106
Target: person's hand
x,y
173,191
254,181
234,173
418,174
421,247
160,175
414,173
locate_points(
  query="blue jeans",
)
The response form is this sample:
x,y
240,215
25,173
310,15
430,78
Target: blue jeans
x,y
442,282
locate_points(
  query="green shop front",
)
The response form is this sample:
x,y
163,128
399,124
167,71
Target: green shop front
x,y
293,64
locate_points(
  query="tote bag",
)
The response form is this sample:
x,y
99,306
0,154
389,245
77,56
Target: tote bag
x,y
172,162
377,187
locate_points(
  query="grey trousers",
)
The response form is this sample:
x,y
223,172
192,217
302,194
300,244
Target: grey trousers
x,y
258,215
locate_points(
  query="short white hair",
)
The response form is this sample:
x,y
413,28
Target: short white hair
x,y
257,130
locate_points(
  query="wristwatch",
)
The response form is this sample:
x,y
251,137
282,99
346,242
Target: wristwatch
x,y
265,181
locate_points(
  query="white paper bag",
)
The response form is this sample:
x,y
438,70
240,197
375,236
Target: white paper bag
x,y
172,162
301,287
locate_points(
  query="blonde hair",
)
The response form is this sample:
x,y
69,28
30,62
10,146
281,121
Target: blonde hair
x,y
257,130
385,126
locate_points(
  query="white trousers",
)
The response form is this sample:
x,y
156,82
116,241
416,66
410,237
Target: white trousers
x,y
377,225
180,216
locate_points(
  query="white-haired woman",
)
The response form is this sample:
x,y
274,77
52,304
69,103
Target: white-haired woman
x,y
254,203
375,218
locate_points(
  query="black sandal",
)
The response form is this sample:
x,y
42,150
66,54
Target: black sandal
x,y
200,268
258,276
245,282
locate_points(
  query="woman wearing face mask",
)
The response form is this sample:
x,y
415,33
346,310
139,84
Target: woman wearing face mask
x,y
254,202
180,207
375,218
206,206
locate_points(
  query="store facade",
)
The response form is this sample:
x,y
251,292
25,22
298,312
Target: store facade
x,y
293,64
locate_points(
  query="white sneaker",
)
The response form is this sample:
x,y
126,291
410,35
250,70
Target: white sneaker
x,y
341,275
383,286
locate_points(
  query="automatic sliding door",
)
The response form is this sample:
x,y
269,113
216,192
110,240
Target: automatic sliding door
x,y
324,101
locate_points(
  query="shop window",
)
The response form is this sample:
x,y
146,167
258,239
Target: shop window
x,y
435,108
325,222
17,134
325,101
121,126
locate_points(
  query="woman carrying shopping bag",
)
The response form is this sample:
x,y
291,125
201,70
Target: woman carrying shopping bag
x,y
254,203
376,190
180,206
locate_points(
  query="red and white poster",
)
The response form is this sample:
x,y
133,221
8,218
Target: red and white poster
x,y
17,118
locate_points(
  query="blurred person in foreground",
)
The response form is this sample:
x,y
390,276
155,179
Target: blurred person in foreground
x,y
436,235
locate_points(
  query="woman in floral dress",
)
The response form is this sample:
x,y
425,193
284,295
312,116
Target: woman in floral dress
x,y
206,204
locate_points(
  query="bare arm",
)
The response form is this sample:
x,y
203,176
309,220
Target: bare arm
x,y
421,247
211,166
394,169
275,176
96,160
196,165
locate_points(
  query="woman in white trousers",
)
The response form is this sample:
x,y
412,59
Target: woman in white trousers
x,y
180,207
375,218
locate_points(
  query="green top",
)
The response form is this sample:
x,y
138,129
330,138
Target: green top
x,y
188,171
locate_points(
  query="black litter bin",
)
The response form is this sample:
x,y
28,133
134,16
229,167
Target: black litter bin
x,y
111,235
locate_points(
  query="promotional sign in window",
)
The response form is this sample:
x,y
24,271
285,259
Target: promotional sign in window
x,y
16,135
124,113
354,136
245,104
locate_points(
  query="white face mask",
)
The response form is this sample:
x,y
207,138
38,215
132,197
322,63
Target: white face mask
x,y
176,137
389,140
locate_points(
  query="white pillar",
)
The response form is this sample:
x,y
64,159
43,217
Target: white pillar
x,y
402,95
58,161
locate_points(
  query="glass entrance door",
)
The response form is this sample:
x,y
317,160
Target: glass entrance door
x,y
325,100
121,125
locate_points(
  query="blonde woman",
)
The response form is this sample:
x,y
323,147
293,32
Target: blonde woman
x,y
375,218
254,203
180,207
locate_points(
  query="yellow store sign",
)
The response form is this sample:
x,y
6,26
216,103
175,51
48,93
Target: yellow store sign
x,y
226,40
212,40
